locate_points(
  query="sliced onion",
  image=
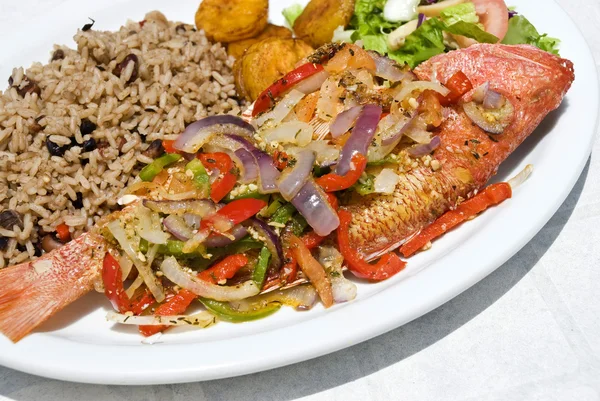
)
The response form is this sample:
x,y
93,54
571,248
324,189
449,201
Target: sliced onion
x,y
268,173
397,130
327,154
197,134
386,181
418,135
143,269
139,280
312,203
281,110
520,178
195,241
493,100
480,92
192,220
126,265
387,68
295,132
343,289
426,148
293,178
147,225
272,241
202,319
344,121
302,297
421,86
249,168
217,241
361,137
240,156
174,272
312,83
493,121
200,207
177,226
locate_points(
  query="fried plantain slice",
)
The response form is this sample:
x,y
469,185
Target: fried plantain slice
x,y
231,20
265,62
320,18
239,47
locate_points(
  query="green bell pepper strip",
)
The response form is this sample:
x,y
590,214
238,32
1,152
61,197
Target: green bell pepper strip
x,y
201,179
260,269
175,248
153,169
224,311
143,247
276,202
298,224
246,195
283,214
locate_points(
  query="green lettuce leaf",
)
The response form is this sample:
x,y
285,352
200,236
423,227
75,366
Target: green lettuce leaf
x,y
291,13
521,31
368,18
425,42
463,20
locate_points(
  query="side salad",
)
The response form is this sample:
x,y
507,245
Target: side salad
x,y
412,31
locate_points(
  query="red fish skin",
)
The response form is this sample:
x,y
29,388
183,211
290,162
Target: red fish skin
x,y
32,292
534,81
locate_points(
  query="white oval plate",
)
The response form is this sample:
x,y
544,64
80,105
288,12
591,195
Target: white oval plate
x,y
79,345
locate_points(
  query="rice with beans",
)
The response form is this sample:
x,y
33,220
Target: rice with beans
x,y
75,131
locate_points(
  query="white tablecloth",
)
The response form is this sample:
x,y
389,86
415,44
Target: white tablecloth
x,y
529,331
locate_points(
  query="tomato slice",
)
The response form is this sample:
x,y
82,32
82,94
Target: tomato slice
x,y
458,84
493,14
266,99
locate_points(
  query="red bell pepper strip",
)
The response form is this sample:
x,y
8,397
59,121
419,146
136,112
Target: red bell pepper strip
x,y
333,182
458,84
266,99
386,267
144,302
490,196
62,232
223,270
333,201
113,284
312,240
224,184
241,209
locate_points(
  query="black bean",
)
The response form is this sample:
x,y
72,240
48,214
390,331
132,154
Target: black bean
x,y
130,58
21,248
86,127
10,218
84,161
38,249
78,203
11,81
58,54
30,87
3,243
180,28
55,149
89,145
100,68
155,149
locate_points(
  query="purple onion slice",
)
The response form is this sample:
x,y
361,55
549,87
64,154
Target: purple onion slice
x,y
198,133
272,240
312,203
293,178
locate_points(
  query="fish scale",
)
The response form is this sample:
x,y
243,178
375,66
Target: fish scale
x,y
534,81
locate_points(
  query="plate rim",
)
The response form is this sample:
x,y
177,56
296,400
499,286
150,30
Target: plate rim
x,y
147,373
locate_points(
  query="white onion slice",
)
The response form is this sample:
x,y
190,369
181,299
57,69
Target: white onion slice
x,y
312,83
281,110
295,132
420,86
521,177
201,319
126,265
143,269
174,272
148,226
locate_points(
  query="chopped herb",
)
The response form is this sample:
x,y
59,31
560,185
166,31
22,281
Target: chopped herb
x,y
486,153
466,143
474,140
476,155
351,52
492,138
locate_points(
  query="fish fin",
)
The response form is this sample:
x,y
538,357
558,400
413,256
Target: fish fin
x,y
32,292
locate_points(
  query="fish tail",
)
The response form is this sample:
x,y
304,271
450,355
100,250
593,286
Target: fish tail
x,y
32,292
